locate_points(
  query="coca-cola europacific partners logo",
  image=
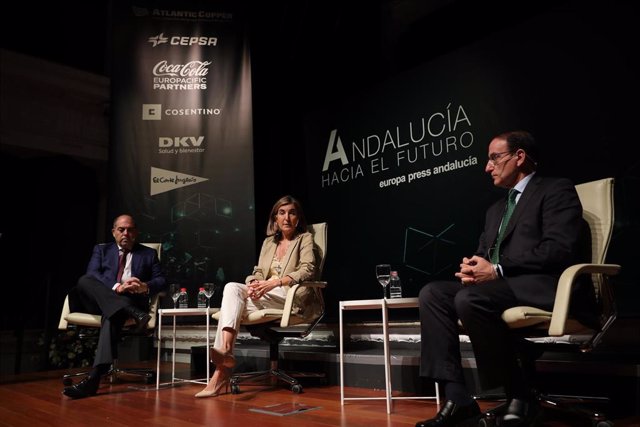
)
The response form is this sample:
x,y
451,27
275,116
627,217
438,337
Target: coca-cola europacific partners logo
x,y
190,69
188,76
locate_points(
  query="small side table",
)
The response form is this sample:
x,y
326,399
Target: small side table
x,y
384,305
175,312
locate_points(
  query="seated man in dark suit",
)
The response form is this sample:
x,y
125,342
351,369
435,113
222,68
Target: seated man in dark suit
x,y
527,242
120,277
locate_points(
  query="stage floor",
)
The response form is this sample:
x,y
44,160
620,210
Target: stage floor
x,y
35,399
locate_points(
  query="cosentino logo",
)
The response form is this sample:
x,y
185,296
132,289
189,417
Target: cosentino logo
x,y
180,145
183,40
189,76
156,111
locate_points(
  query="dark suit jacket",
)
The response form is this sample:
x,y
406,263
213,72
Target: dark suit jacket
x,y
145,265
545,235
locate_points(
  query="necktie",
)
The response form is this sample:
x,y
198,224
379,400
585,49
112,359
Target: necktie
x,y
511,204
122,261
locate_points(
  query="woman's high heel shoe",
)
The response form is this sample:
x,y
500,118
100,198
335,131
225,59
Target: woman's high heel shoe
x,y
221,382
227,360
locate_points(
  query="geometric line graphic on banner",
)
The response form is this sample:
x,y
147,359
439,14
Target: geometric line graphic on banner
x,y
427,253
163,180
198,207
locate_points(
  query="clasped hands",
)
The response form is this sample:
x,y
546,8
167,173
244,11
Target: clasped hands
x,y
132,285
475,270
257,288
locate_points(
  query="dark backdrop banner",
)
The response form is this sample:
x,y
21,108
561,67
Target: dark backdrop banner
x,y
396,174
181,152
398,171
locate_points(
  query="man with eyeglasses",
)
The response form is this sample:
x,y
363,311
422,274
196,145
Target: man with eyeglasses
x,y
120,277
528,240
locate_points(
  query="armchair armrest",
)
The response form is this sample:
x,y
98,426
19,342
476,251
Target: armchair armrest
x,y
563,293
288,303
154,304
63,324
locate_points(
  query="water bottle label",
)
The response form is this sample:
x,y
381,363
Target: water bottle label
x,y
202,300
184,300
395,286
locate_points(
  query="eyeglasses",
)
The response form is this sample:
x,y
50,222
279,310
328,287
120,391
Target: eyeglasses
x,y
493,159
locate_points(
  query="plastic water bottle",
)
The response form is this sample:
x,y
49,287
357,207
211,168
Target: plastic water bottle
x,y
202,299
395,286
183,301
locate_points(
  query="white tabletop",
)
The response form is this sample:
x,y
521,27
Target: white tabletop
x,y
187,311
364,304
384,305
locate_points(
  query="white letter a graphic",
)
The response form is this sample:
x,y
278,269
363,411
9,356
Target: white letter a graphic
x,y
338,154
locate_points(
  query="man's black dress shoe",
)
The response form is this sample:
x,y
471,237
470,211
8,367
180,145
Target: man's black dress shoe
x,y
85,388
141,318
520,413
451,415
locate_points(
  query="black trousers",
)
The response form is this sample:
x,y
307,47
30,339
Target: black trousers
x,y
497,350
92,296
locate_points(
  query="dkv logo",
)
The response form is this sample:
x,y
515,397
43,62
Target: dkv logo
x,y
180,141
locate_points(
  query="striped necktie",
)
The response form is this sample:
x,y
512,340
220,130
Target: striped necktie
x,y
122,261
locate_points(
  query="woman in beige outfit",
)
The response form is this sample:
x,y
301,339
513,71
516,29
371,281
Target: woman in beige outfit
x,y
286,258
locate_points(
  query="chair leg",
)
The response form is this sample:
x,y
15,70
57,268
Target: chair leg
x,y
272,375
490,417
294,384
116,373
572,409
67,379
558,407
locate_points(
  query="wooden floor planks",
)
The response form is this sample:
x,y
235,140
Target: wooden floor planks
x,y
36,400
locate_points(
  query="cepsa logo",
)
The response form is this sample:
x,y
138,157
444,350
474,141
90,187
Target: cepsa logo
x,y
183,40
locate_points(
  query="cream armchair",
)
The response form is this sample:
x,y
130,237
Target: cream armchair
x,y
558,327
69,319
304,307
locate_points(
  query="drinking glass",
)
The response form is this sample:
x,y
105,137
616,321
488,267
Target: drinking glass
x,y
383,274
174,288
209,288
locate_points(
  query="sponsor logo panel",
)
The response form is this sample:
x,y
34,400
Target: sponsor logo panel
x,y
163,180
191,75
151,111
182,40
180,145
156,111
